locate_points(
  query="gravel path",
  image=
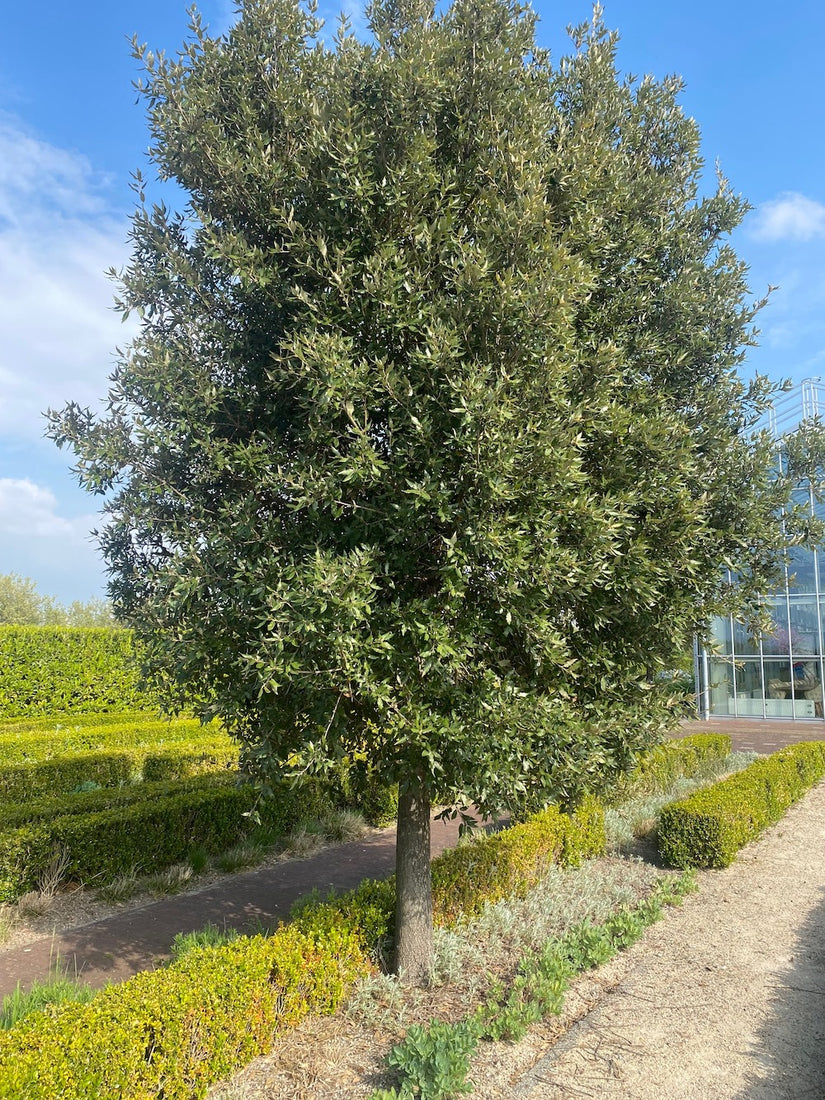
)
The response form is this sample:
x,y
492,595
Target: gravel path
x,y
722,999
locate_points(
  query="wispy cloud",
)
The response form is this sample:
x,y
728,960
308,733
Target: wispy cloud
x,y
58,233
789,217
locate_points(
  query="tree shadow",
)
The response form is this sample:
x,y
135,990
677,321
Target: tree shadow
x,y
790,1046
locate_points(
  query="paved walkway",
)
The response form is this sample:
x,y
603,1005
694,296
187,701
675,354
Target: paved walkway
x,y
116,947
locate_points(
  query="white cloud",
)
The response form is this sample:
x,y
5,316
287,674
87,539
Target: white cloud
x,y
31,511
789,217
57,237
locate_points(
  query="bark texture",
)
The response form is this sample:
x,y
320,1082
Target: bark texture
x,y
414,894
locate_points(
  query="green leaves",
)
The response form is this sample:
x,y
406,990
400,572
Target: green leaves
x,y
431,444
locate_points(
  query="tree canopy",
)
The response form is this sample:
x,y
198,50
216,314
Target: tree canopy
x,y
21,604
432,441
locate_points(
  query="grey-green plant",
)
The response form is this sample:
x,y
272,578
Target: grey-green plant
x,y
431,445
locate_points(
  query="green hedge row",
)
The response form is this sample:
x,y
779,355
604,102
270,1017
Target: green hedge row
x,y
106,833
18,745
20,783
709,827
696,756
171,1033
67,670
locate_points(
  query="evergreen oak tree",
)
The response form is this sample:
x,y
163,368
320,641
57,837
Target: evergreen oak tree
x,y
431,444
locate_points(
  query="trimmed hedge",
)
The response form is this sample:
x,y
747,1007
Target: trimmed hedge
x,y
20,783
709,827
38,743
67,670
170,1033
150,826
696,757
511,862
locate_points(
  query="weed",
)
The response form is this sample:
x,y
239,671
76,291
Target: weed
x,y
120,889
170,881
198,859
343,825
208,936
56,990
246,854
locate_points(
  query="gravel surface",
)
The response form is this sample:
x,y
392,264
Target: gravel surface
x,y
723,998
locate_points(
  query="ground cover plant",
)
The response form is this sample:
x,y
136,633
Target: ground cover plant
x,y
431,441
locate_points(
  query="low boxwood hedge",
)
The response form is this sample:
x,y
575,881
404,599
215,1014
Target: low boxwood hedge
x,y
708,828
170,1033
102,834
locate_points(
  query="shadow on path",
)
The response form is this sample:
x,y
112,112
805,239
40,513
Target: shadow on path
x,y
790,1046
116,947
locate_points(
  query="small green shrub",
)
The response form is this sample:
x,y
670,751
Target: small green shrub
x,y
709,827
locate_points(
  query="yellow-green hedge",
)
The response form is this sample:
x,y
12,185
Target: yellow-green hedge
x,y
170,1033
708,828
67,670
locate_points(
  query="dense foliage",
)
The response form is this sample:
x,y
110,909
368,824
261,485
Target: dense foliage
x,y
68,670
431,444
708,828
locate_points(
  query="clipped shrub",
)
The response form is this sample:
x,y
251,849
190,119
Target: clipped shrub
x,y
708,828
509,862
658,768
106,833
175,1031
67,670
27,781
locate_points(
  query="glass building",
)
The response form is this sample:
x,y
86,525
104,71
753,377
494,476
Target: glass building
x,y
781,674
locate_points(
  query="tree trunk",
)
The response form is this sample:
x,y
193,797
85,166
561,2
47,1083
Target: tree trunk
x,y
414,892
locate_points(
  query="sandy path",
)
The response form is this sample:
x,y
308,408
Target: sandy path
x,y
723,999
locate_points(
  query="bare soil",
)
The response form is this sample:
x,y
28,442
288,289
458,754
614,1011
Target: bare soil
x,y
721,999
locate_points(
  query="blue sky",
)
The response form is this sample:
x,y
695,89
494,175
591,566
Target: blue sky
x,y
71,134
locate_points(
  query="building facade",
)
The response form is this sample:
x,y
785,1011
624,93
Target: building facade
x,y
781,674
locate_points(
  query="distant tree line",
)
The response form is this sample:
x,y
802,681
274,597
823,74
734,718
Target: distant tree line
x,y
22,605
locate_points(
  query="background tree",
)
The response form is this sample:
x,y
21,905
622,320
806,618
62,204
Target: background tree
x,y
21,604
432,441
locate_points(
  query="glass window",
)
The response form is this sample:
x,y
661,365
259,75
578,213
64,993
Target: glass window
x,y
748,680
804,635
779,689
720,686
777,641
744,643
801,570
722,635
